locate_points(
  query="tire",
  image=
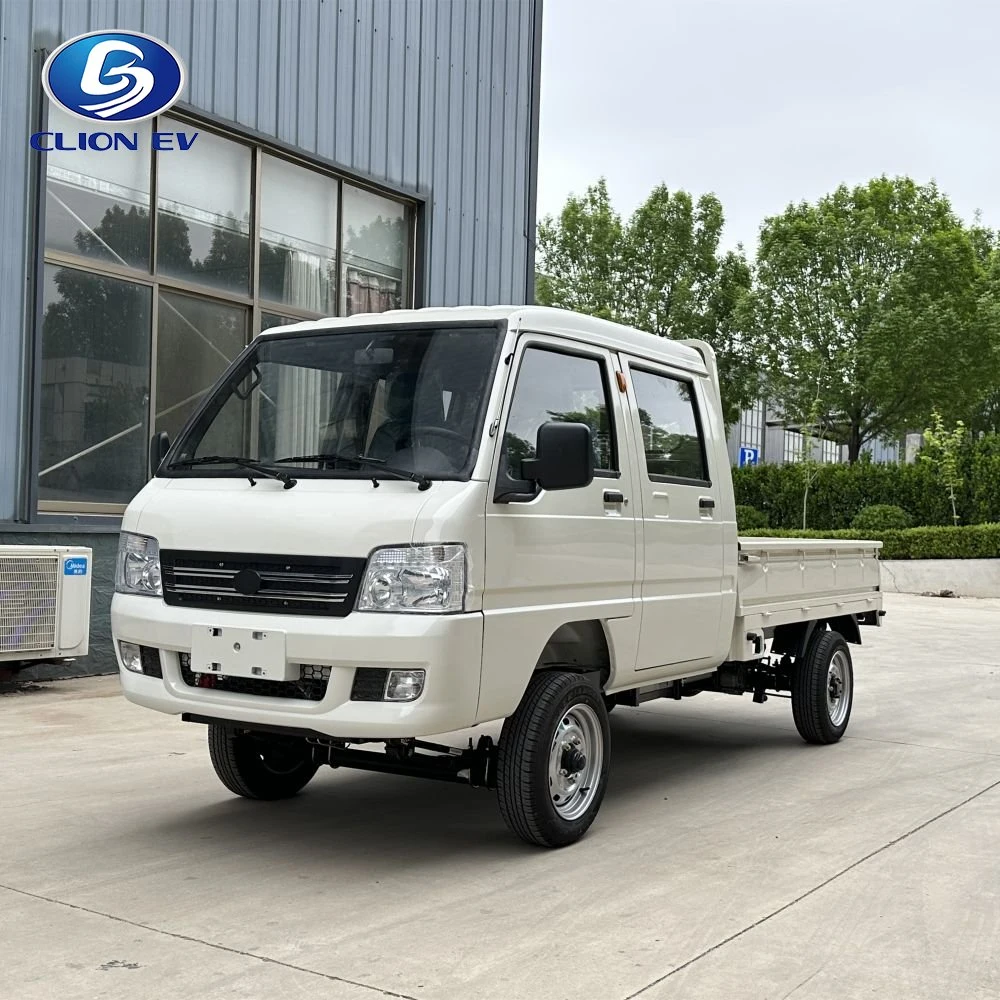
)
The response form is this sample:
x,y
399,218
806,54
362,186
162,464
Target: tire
x,y
559,715
823,689
257,767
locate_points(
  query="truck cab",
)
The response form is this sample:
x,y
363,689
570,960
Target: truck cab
x,y
382,528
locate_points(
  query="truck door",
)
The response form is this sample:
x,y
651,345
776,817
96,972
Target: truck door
x,y
682,559
557,558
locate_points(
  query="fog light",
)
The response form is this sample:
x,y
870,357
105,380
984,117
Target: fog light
x,y
404,685
131,656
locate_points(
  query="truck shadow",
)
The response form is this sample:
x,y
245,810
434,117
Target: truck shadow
x,y
362,821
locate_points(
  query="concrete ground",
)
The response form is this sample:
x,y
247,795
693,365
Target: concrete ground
x,y
729,859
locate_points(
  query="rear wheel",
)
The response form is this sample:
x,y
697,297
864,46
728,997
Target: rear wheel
x,y
260,767
553,760
823,689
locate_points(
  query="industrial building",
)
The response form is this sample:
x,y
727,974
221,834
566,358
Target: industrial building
x,y
351,156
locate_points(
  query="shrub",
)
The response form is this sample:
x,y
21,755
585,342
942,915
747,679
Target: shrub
x,y
881,517
840,492
967,541
750,519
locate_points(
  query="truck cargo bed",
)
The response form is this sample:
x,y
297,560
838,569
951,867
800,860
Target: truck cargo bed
x,y
783,580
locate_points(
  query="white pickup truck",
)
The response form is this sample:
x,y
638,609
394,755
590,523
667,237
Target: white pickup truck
x,y
386,527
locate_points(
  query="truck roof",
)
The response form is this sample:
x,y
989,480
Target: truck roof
x,y
542,319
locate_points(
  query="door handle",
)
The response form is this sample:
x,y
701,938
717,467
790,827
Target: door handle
x,y
615,496
706,503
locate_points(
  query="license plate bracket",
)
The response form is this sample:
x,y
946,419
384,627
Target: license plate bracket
x,y
241,652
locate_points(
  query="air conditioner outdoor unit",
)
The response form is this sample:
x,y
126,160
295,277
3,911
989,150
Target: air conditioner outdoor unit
x,y
44,603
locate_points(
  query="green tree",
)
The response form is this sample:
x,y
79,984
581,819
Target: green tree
x,y
813,434
942,451
983,399
873,295
581,256
662,271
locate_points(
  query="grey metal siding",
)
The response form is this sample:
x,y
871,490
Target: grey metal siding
x,y
429,96
15,125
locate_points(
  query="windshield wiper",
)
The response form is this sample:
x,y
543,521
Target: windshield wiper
x,y
423,482
244,463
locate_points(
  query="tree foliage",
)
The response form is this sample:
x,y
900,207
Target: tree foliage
x,y
661,271
878,295
942,450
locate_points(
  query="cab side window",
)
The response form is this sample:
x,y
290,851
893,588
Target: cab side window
x,y
672,436
555,386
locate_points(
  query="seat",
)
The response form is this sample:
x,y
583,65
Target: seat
x,y
393,434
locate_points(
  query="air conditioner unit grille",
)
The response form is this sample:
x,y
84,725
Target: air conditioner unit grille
x,y
28,589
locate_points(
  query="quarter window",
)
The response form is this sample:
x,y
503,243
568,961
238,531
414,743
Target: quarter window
x,y
671,431
555,386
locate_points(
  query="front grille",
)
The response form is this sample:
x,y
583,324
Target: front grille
x,y
301,585
28,587
311,685
369,684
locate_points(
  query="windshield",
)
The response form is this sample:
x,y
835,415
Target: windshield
x,y
342,404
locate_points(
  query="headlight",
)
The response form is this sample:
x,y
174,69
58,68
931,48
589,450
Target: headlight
x,y
138,568
415,578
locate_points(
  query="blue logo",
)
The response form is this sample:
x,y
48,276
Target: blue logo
x,y
76,566
113,76
749,456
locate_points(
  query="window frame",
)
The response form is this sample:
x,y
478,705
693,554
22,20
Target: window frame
x,y
672,376
523,490
259,144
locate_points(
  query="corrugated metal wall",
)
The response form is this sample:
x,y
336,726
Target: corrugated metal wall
x,y
433,96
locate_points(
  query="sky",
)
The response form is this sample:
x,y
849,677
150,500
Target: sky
x,y
766,102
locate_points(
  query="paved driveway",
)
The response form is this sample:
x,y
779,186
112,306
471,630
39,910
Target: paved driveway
x,y
729,859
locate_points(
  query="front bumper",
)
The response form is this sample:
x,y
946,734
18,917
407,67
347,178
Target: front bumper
x,y
447,647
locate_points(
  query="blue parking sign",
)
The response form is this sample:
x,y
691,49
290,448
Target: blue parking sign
x,y
749,456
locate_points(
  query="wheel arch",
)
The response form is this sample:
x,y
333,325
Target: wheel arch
x,y
578,647
794,639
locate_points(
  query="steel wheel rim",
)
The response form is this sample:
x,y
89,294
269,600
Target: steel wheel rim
x,y
573,785
838,688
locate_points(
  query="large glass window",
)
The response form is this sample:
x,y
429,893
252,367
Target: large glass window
x,y
203,207
556,386
270,320
196,341
94,388
375,241
794,446
245,240
671,432
97,203
298,249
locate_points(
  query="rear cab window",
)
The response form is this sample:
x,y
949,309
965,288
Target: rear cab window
x,y
673,439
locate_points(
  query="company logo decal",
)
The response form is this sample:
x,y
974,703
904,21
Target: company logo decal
x,y
114,76
76,566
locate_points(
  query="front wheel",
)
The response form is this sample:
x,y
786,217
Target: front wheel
x,y
260,767
823,689
553,760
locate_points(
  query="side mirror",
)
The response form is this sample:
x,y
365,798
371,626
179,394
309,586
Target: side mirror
x,y
159,445
564,457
